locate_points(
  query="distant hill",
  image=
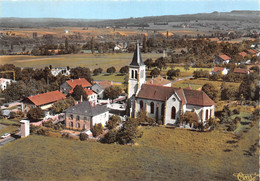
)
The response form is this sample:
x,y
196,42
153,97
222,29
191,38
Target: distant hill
x,y
252,16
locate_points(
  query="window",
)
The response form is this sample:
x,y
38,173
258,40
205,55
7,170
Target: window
x,y
207,114
152,107
77,118
85,118
84,126
71,124
132,76
78,125
141,104
136,74
71,116
173,115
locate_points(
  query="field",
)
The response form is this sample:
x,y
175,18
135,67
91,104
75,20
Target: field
x,y
87,60
161,154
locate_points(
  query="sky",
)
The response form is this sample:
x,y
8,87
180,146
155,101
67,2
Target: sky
x,y
117,9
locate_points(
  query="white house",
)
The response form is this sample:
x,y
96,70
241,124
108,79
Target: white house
x,y
4,83
162,102
62,70
221,70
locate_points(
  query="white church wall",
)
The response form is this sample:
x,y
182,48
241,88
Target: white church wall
x,y
172,101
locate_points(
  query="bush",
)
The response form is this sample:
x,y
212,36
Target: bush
x,y
34,114
112,122
110,137
48,124
111,70
235,111
142,118
97,129
128,132
83,136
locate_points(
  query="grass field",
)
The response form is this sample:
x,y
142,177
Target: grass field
x,y
161,154
110,77
87,60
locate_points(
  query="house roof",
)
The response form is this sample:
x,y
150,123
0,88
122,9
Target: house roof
x,y
46,98
81,81
224,57
187,96
159,80
251,51
241,71
2,80
218,69
137,59
196,97
85,108
89,92
243,54
97,88
104,84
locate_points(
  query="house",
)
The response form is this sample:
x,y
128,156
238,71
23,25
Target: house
x,y
242,54
159,80
221,70
68,86
162,102
241,71
85,115
118,48
4,83
43,101
62,70
99,88
253,52
92,96
222,59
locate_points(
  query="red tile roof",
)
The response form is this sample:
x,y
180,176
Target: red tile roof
x,y
104,84
218,69
224,57
196,97
243,54
47,98
89,92
81,81
159,80
241,71
251,51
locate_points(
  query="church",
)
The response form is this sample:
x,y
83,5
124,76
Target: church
x,y
162,102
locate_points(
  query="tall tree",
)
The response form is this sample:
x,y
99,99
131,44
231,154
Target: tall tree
x,y
211,91
78,93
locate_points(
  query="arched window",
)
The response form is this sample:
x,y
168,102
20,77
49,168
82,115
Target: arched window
x,y
136,74
152,107
141,104
78,125
132,76
173,115
162,109
77,118
207,114
71,116
71,124
84,126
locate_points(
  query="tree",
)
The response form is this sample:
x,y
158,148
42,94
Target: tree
x,y
148,62
145,44
81,72
229,92
97,71
34,114
66,44
142,118
78,93
97,129
111,70
62,105
155,72
110,137
92,44
173,73
83,136
128,132
161,63
112,92
211,91
186,67
113,121
124,69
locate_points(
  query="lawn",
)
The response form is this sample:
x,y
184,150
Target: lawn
x,y
110,77
161,154
8,129
9,122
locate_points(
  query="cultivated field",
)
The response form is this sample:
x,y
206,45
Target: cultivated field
x,y
161,154
87,60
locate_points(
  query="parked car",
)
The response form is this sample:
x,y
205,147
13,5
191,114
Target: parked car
x,y
5,135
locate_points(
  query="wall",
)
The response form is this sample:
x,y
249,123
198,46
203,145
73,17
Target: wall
x,y
83,124
65,88
101,118
172,101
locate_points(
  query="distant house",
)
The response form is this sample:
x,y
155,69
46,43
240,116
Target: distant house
x,y
118,48
222,59
253,52
242,54
92,96
4,83
62,70
85,115
68,86
241,71
221,70
99,88
43,101
159,80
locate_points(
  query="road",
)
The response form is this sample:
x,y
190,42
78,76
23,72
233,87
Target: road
x,y
6,140
179,79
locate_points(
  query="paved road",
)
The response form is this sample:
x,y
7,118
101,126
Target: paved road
x,y
6,140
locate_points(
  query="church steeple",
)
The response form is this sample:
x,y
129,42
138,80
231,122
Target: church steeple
x,y
137,59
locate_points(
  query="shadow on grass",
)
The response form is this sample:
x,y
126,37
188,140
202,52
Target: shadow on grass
x,y
227,150
231,141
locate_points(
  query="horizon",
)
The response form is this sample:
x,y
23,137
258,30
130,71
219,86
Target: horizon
x,y
117,9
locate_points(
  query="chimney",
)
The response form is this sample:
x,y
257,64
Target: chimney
x,y
81,98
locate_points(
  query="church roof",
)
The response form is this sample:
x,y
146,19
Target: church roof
x,y
137,59
196,97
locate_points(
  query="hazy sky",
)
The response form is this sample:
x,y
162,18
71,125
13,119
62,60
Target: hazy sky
x,y
113,9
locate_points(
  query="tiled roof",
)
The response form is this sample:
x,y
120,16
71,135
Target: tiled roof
x,y
241,71
47,98
218,69
251,51
224,57
243,54
155,92
89,92
85,108
158,81
196,97
104,84
81,81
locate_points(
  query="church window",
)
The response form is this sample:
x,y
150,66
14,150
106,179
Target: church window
x,y
77,118
152,107
132,76
173,115
207,114
71,116
71,124
136,74
141,104
78,125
